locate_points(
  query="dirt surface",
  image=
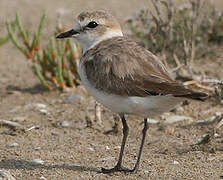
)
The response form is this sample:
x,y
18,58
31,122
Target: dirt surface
x,y
60,137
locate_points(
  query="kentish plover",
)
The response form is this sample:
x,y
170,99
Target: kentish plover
x,y
123,76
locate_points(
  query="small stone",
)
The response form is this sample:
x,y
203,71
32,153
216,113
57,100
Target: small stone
x,y
176,118
216,135
146,172
176,162
43,111
12,144
107,148
42,178
37,148
73,98
91,149
40,105
211,158
153,121
37,161
5,175
65,124
117,147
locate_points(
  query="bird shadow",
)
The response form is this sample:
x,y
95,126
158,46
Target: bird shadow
x,y
28,165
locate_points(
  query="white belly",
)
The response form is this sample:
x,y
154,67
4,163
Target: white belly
x,y
143,106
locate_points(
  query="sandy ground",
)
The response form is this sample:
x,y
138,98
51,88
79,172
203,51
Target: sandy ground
x,y
77,151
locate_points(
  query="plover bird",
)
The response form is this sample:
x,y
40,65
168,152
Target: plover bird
x,y
123,76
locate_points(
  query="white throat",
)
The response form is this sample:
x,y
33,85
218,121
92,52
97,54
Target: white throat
x,y
90,44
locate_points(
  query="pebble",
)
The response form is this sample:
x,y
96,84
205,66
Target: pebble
x,y
211,158
37,161
216,135
73,98
176,162
91,149
42,178
12,144
107,148
5,175
40,105
37,148
44,111
65,124
117,147
153,121
176,118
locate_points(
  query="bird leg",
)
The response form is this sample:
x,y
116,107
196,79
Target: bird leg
x,y
146,127
118,166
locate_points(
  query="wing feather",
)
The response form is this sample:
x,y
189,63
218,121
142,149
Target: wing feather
x,y
120,66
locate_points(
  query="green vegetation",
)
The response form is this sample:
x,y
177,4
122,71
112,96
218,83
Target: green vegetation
x,y
56,64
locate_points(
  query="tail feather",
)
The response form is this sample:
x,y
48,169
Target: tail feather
x,y
195,95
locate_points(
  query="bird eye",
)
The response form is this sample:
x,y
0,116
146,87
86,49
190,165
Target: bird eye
x,y
92,24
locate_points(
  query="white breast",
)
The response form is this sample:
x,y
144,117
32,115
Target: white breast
x,y
143,106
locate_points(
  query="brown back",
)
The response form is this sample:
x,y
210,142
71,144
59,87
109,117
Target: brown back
x,y
120,66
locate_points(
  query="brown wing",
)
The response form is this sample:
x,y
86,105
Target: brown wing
x,y
120,66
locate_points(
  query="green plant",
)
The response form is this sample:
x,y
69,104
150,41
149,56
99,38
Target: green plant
x,y
4,40
56,63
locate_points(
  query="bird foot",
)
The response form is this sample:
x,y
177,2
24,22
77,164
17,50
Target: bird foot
x,y
118,168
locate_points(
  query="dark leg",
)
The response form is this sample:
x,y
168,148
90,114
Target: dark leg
x,y
118,166
146,127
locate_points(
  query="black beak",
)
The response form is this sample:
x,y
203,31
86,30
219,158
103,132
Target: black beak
x,y
67,34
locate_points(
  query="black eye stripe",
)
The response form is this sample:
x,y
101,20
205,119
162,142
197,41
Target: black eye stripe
x,y
92,24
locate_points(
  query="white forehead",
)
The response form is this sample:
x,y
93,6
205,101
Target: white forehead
x,y
87,20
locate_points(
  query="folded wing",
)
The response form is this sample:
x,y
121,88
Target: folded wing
x,y
120,66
